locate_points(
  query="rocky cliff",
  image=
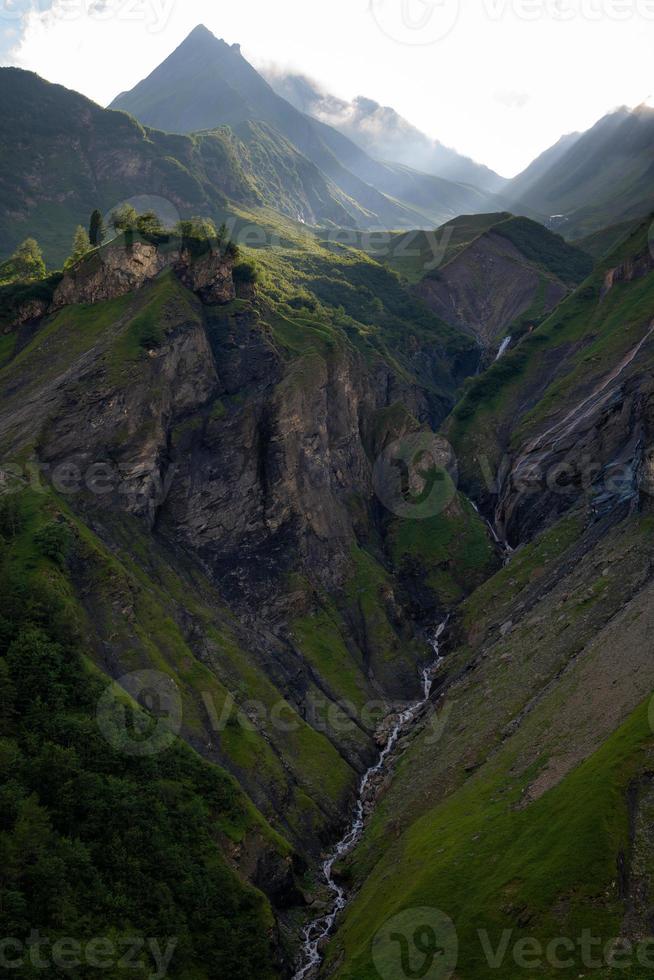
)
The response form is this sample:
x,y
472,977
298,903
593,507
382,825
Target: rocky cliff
x,y
214,460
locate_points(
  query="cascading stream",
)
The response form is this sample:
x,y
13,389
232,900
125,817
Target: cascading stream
x,y
504,545
317,931
504,346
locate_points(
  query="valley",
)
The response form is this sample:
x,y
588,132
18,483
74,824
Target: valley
x,y
327,567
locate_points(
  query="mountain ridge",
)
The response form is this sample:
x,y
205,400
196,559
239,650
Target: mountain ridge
x,y
595,179
168,99
382,131
52,131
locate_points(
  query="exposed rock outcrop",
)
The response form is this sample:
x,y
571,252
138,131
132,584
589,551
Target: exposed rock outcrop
x,y
27,312
121,268
627,271
487,287
598,452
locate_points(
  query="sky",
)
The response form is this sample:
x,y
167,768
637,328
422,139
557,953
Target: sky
x,y
499,80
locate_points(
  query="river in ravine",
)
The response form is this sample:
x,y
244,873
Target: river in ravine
x,y
318,930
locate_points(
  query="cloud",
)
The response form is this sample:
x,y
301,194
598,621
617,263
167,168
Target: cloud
x,y
97,47
512,100
14,16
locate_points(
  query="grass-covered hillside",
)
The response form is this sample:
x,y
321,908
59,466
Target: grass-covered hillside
x,y
98,840
521,809
62,156
207,83
600,178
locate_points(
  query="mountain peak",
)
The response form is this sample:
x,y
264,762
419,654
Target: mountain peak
x,y
202,35
201,32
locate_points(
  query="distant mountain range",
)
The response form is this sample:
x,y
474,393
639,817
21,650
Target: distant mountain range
x,y
207,83
382,132
396,176
218,138
590,180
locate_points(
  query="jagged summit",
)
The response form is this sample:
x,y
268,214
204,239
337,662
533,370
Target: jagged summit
x,y
202,34
201,31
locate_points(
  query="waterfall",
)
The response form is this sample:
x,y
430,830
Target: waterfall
x,y
504,346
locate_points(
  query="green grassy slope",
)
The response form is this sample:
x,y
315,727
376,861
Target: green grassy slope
x,y
603,177
601,243
514,808
537,244
205,83
61,156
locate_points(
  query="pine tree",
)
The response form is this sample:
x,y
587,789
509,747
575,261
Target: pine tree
x,y
81,246
96,229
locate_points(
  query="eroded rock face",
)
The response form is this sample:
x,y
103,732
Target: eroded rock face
x,y
209,275
627,271
259,466
118,435
110,273
486,288
600,452
119,269
268,488
29,312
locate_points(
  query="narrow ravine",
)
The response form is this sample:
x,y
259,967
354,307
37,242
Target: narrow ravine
x,y
318,930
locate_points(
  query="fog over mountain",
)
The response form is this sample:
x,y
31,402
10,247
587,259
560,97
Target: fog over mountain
x,y
381,131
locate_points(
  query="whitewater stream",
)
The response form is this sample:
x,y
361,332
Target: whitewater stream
x,y
504,346
506,548
318,930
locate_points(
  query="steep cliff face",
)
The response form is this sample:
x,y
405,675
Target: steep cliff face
x,y
127,265
216,456
633,267
596,453
597,446
567,418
